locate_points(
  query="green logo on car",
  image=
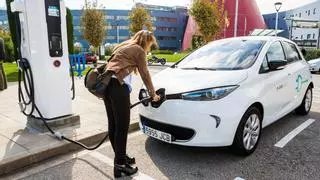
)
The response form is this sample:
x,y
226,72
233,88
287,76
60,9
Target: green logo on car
x,y
300,82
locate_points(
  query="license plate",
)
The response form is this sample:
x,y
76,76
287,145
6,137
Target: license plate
x,y
162,136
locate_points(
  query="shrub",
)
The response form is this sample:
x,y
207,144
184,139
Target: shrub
x,y
312,54
159,51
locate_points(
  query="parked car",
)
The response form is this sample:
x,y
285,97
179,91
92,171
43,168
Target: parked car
x,y
224,93
91,58
314,65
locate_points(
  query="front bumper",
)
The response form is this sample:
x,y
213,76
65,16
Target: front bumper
x,y
195,123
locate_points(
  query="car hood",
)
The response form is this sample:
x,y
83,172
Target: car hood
x,y
176,80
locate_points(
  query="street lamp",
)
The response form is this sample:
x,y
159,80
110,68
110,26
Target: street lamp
x,y
277,5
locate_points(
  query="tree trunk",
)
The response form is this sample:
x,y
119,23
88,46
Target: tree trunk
x,y
3,79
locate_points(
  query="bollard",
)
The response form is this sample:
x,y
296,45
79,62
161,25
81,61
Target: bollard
x,y
78,63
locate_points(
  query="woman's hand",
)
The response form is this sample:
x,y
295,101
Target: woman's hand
x,y
156,98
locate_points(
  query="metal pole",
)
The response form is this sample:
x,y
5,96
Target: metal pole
x,y
318,44
277,16
118,33
236,19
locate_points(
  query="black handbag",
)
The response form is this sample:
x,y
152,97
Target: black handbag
x,y
97,80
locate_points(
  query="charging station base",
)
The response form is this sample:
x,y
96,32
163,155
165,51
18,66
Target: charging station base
x,y
57,123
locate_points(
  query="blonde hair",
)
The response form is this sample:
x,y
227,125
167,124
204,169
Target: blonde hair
x,y
145,39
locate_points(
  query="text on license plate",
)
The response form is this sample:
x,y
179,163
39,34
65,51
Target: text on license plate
x,y
157,134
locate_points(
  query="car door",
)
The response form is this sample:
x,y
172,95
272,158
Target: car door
x,y
299,76
274,94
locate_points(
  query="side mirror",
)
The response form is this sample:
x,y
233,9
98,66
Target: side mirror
x,y
2,51
277,65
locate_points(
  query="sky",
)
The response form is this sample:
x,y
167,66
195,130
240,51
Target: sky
x,y
265,6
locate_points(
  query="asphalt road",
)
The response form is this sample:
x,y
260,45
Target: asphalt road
x,y
299,159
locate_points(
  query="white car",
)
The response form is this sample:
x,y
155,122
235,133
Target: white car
x,y
314,65
224,93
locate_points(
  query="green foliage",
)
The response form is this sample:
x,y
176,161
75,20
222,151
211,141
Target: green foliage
x,y
197,41
210,17
93,24
8,45
312,54
159,51
12,26
139,18
70,31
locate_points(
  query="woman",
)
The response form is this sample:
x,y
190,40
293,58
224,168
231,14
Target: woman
x,y
128,57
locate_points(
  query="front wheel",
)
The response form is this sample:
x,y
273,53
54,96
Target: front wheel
x,y
150,62
305,106
248,132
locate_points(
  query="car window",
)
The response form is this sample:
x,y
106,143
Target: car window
x,y
275,52
291,52
264,65
227,54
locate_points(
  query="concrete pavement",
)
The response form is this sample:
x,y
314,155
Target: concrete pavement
x,y
21,145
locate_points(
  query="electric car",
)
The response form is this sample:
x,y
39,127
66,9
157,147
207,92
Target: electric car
x,y
314,65
224,93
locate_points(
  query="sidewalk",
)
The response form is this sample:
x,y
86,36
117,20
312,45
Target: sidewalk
x,y
21,146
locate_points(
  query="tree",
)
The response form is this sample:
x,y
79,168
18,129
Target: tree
x,y
3,80
70,31
12,26
93,24
139,18
210,17
8,45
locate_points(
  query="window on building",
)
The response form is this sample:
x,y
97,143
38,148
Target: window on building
x,y
111,37
314,36
296,15
308,12
301,36
122,17
123,37
77,28
314,11
299,14
124,27
110,17
308,36
174,20
153,18
167,38
108,27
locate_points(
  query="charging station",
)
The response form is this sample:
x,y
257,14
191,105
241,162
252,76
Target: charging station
x,y
43,42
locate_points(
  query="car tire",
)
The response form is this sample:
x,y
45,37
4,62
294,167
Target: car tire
x,y
306,104
249,128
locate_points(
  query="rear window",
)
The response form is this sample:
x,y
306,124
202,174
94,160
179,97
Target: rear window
x,y
228,54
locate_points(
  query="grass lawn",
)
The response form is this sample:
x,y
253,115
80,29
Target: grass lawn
x,y
11,71
171,57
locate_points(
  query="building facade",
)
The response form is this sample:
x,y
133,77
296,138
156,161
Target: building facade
x,y
168,25
4,19
291,22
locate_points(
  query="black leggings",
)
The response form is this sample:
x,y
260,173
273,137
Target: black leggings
x,y
117,104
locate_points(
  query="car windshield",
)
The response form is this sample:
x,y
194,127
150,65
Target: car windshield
x,y
228,54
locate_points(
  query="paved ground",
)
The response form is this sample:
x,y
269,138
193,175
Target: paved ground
x,y
299,159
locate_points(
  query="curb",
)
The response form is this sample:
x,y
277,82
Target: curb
x,y
21,161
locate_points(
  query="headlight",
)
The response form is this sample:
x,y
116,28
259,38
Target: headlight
x,y
209,94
